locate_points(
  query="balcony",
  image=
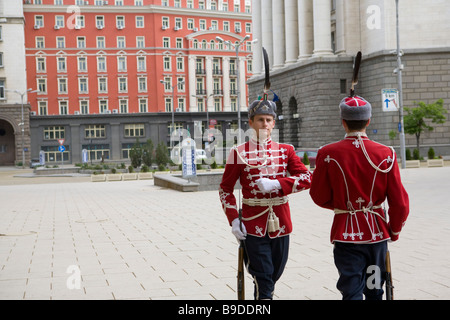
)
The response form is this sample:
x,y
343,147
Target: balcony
x,y
233,72
200,71
200,92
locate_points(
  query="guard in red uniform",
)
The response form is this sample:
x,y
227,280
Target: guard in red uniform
x,y
267,171
354,177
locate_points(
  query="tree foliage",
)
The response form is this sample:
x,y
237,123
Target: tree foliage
x,y
418,119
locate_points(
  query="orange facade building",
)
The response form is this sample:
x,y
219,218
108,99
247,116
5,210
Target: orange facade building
x,y
95,57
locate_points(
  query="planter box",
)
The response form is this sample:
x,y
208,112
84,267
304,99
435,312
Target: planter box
x,y
98,177
129,176
435,163
145,175
412,163
114,177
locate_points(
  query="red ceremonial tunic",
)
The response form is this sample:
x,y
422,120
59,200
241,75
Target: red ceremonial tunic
x,y
345,181
251,161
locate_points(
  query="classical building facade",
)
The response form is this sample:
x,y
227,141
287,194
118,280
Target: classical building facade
x,y
141,64
311,46
14,116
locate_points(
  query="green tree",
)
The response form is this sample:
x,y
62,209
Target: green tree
x,y
415,120
162,154
148,153
136,154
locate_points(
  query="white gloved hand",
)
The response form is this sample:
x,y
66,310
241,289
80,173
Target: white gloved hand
x,y
268,185
236,229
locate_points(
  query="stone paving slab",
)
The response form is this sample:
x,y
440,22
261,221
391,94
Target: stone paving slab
x,y
134,240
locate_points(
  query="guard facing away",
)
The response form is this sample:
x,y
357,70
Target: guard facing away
x,y
354,177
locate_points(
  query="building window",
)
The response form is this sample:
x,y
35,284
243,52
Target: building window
x,y
139,22
123,105
142,84
140,42
83,85
82,64
43,110
122,64
120,22
100,22
168,103
141,64
121,42
42,85
180,84
138,3
2,89
81,42
166,42
102,85
177,3
59,22
84,107
39,21
134,130
95,131
202,24
180,64
178,23
62,85
123,85
52,154
60,42
143,105
40,65
226,26
167,84
101,64
103,106
79,21
62,64
63,107
97,152
101,42
40,42
180,105
190,4
54,132
190,24
165,22
167,64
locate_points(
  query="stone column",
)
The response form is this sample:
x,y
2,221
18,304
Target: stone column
x,y
257,35
322,27
241,84
340,27
305,28
278,29
266,29
291,30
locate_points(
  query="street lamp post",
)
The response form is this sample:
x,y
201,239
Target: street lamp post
x,y
400,85
236,47
22,124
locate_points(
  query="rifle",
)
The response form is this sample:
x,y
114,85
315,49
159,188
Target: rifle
x,y
240,274
389,284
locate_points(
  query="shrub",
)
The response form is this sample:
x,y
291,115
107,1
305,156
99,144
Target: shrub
x,y
408,154
431,154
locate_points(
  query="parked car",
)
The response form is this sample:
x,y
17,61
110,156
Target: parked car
x,y
200,154
312,154
34,163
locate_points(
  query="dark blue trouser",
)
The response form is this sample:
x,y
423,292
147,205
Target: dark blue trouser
x,y
361,269
265,260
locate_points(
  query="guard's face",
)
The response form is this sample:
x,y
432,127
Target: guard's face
x,y
263,125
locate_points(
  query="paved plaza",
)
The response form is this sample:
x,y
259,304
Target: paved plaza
x,y
69,238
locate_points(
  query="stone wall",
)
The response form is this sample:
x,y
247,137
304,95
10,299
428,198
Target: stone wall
x,y
315,86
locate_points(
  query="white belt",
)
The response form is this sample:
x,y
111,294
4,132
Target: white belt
x,y
273,221
364,210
